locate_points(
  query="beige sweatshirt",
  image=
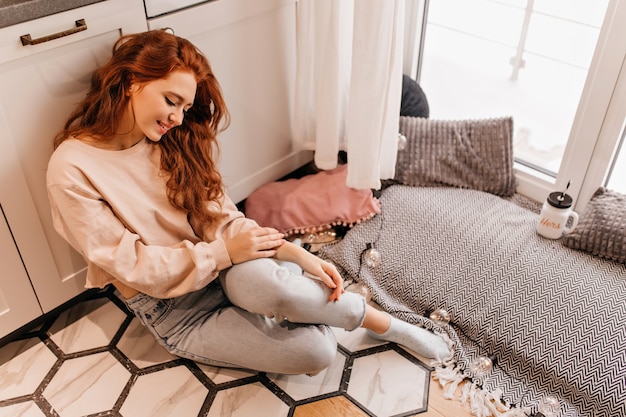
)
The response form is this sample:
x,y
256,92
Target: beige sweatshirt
x,y
112,207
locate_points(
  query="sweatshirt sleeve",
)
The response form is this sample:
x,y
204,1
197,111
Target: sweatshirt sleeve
x,y
115,253
233,222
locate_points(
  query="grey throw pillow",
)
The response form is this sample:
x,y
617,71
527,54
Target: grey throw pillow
x,y
474,154
601,230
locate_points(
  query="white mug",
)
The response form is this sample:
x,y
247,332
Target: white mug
x,y
555,215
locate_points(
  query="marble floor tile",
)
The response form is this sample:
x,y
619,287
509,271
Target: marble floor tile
x,y
86,385
27,409
169,392
100,319
248,400
23,366
387,384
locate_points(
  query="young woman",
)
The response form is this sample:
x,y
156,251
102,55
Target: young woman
x,y
134,188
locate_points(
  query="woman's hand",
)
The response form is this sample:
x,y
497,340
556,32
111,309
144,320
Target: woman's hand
x,y
260,242
314,265
329,275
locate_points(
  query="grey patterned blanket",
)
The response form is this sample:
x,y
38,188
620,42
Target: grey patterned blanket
x,y
554,318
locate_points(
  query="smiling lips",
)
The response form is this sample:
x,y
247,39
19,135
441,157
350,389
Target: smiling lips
x,y
164,126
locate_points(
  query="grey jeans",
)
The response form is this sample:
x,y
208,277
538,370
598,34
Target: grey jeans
x,y
229,323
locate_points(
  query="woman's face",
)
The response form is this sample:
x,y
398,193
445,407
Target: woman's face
x,y
160,105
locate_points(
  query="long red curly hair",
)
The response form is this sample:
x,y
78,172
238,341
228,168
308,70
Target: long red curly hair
x,y
188,150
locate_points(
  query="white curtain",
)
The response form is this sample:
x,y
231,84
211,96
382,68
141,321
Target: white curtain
x,y
349,85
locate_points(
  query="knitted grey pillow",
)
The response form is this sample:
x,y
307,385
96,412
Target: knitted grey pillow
x,y
601,230
474,154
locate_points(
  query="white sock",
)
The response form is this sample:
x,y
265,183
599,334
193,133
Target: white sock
x,y
418,339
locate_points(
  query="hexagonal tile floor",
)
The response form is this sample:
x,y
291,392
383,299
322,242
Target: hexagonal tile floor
x,y
94,359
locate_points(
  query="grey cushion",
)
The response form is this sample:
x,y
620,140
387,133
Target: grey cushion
x,y
473,154
601,230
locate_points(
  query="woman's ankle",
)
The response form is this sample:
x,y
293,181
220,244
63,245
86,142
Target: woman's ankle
x,y
418,339
376,321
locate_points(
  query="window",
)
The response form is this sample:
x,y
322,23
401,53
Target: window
x,y
617,174
553,65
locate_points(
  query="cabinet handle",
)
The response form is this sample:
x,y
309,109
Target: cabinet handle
x,y
80,26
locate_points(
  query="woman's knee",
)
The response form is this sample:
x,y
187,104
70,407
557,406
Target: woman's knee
x,y
259,286
254,273
310,352
317,354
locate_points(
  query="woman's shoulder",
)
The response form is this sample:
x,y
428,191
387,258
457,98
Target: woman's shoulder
x,y
66,150
74,157
70,152
65,159
77,161
80,151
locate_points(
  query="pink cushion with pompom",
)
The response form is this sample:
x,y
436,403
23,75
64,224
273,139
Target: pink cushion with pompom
x,y
311,204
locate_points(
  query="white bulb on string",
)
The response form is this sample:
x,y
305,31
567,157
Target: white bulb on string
x,y
515,412
440,316
549,406
362,290
372,257
402,142
481,366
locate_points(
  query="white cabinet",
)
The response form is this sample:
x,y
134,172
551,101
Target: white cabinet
x,y
251,45
18,304
39,86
